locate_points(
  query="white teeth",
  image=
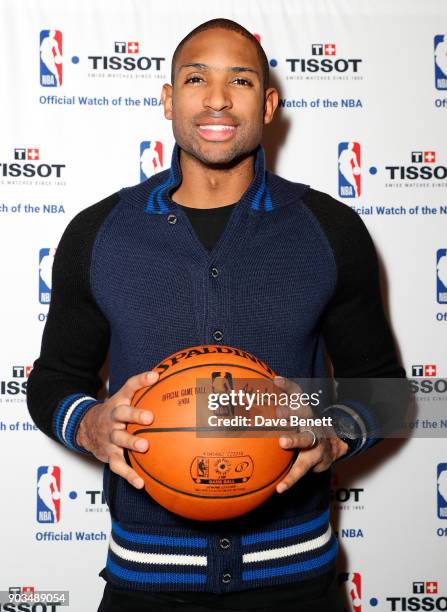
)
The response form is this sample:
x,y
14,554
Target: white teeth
x,y
217,128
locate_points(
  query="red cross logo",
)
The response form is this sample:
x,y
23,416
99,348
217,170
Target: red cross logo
x,y
329,49
429,157
430,370
33,154
133,47
431,587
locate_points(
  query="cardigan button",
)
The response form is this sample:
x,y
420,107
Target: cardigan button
x,y
172,219
226,578
217,335
214,272
224,543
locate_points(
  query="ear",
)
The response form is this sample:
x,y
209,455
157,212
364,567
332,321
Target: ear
x,y
271,99
166,99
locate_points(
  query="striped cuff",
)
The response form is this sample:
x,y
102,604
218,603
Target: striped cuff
x,y
362,425
68,417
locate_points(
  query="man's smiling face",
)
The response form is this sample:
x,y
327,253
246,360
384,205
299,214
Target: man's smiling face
x,y
218,104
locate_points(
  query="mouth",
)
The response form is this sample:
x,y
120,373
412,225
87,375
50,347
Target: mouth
x,y
216,132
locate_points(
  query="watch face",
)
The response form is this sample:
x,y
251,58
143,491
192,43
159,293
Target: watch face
x,y
346,427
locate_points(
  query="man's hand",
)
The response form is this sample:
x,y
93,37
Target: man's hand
x,y
316,453
102,431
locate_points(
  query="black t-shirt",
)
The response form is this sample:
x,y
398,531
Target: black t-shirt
x,y
209,224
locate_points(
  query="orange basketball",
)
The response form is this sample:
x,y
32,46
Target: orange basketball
x,y
190,468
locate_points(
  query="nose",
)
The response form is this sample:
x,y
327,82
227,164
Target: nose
x,y
217,97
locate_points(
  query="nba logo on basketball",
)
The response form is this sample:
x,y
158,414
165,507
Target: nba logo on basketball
x,y
48,491
50,58
442,490
46,258
352,583
441,61
441,276
151,158
349,170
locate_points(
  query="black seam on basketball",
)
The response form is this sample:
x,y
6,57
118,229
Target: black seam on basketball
x,y
220,497
202,365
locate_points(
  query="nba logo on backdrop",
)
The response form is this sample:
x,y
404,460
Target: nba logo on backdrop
x,y
50,58
442,490
46,258
151,158
441,61
349,170
441,276
48,490
352,583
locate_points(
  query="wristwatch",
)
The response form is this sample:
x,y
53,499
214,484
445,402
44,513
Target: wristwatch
x,y
346,429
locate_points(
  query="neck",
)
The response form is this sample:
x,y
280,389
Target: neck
x,y
212,186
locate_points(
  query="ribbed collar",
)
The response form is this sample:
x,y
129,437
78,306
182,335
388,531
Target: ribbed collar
x,y
255,197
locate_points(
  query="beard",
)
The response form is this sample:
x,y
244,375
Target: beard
x,y
218,155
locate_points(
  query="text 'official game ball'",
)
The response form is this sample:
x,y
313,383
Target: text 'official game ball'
x,y
190,468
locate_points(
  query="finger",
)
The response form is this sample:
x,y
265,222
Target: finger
x,y
120,467
301,466
134,383
327,457
287,385
322,466
282,411
126,440
303,439
128,414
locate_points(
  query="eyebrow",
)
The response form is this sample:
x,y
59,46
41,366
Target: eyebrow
x,y
199,66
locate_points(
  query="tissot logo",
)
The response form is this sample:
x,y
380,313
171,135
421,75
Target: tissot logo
x,y
28,163
423,167
16,385
424,595
324,59
127,56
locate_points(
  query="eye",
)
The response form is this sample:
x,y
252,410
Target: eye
x,y
242,81
194,79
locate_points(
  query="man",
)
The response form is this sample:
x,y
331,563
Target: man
x,y
214,251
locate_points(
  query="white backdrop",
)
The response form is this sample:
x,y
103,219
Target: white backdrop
x,y
371,73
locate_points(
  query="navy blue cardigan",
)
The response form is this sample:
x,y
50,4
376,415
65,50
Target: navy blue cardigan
x,y
297,274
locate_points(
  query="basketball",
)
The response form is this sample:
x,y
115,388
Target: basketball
x,y
190,468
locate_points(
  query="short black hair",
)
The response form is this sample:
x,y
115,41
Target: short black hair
x,y
225,24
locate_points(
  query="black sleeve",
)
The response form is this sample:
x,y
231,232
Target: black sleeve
x,y
356,332
65,381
